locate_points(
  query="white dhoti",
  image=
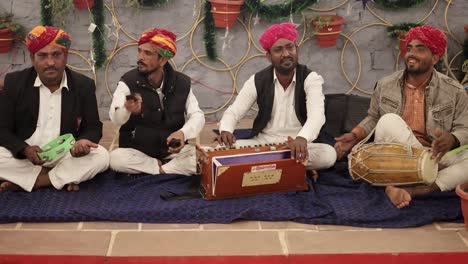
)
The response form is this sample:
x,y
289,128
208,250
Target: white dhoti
x,y
391,128
321,156
65,169
132,161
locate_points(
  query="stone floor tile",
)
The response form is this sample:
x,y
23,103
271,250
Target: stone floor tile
x,y
345,228
54,243
464,235
109,226
233,226
196,243
450,226
385,241
285,225
169,226
8,226
50,226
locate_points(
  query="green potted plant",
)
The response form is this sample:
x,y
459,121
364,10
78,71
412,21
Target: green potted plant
x,y
8,30
327,28
398,31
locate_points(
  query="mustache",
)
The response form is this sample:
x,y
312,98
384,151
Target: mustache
x,y
51,68
141,63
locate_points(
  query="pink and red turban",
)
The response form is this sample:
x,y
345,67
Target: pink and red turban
x,y
41,36
163,40
433,38
278,31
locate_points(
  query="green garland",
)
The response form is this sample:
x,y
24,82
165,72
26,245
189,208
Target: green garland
x,y
398,4
209,35
47,18
394,30
46,13
270,12
146,3
278,11
99,44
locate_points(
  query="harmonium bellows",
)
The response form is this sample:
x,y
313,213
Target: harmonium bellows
x,y
243,171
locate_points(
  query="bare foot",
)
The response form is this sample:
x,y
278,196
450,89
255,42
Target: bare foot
x,y
9,186
398,196
72,187
314,175
161,171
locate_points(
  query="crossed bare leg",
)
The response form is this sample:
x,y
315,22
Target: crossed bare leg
x,y
42,181
401,197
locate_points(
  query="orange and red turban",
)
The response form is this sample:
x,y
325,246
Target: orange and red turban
x,y
41,36
275,32
163,40
433,38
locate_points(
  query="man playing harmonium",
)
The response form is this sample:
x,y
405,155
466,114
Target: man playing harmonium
x,y
157,112
422,108
40,103
290,102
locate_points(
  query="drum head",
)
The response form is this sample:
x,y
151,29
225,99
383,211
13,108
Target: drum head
x,y
429,168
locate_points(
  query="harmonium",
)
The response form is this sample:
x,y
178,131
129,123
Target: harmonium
x,y
244,171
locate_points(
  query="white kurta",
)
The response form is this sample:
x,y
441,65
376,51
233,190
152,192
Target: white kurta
x,y
66,169
284,122
131,161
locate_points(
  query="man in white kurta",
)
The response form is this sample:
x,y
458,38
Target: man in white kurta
x,y
37,105
154,105
293,86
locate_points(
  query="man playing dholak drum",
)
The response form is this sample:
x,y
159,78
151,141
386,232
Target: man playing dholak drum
x,y
157,111
290,102
420,107
40,103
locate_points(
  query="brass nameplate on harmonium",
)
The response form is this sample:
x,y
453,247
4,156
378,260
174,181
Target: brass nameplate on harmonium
x,y
236,172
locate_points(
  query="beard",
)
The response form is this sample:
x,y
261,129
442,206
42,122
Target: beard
x,y
147,71
283,69
421,68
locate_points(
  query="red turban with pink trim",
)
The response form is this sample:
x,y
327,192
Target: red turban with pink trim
x,y
433,38
275,32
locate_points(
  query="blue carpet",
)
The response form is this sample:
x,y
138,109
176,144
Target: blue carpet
x,y
334,199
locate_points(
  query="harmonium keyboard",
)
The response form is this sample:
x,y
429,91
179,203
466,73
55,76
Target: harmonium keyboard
x,y
244,171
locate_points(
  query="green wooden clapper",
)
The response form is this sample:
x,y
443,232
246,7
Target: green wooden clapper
x,y
57,147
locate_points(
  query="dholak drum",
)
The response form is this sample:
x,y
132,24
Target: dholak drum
x,y
383,164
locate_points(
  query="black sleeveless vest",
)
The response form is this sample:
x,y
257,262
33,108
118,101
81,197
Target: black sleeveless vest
x,y
148,131
266,93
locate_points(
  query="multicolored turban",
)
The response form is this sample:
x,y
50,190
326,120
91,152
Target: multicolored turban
x,y
163,40
275,32
41,36
433,38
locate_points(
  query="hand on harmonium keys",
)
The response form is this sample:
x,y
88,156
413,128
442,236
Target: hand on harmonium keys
x,y
226,138
298,148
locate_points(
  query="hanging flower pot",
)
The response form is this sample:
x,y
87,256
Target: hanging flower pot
x,y
225,12
6,40
327,29
462,191
83,4
402,43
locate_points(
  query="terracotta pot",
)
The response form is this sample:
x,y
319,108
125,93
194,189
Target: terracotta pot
x,y
83,4
225,12
462,191
327,35
6,40
402,43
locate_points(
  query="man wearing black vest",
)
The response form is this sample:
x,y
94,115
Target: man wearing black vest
x,y
290,102
37,105
157,112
